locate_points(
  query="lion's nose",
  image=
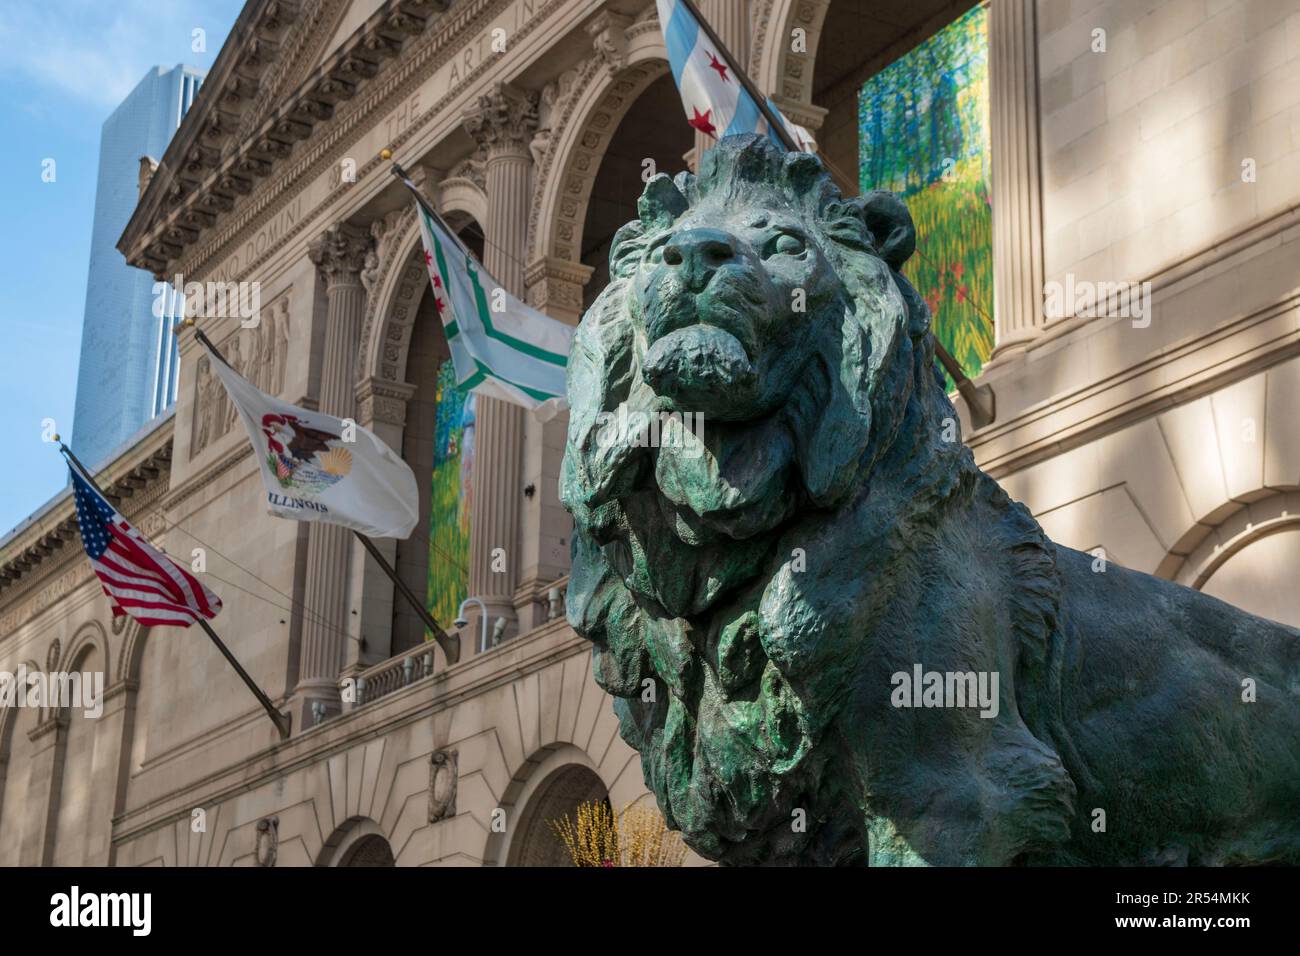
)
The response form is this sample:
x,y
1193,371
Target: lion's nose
x,y
697,254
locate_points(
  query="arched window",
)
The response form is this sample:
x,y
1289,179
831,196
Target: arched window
x,y
438,444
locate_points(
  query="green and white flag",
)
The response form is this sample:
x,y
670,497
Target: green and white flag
x,y
499,346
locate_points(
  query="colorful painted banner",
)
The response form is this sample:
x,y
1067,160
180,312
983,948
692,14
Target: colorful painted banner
x,y
924,134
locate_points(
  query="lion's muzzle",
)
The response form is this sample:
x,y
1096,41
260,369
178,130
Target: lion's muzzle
x,y
697,320
697,254
700,368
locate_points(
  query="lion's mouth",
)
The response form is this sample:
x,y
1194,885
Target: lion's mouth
x,y
701,368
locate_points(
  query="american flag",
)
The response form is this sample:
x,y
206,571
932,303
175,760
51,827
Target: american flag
x,y
139,579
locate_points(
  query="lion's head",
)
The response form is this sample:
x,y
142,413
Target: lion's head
x,y
756,296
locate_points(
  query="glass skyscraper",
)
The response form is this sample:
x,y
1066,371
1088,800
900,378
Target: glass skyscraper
x,y
127,373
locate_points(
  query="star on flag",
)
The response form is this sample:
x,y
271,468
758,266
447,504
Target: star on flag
x,y
701,122
716,64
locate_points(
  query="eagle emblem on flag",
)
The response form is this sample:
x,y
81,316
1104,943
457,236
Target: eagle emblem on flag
x,y
303,458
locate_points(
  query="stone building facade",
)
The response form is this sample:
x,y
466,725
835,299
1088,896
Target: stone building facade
x,y
1172,445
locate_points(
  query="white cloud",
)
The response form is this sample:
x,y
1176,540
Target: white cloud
x,y
97,52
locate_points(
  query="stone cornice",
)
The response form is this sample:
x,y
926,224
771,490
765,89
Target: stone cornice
x,y
1172,376
202,177
431,52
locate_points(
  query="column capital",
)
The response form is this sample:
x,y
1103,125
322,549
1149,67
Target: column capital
x,y
503,121
555,287
339,253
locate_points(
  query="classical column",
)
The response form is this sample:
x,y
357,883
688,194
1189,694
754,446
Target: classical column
x,y
339,255
382,407
503,123
1017,185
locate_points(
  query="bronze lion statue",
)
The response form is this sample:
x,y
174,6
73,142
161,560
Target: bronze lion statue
x,y
797,610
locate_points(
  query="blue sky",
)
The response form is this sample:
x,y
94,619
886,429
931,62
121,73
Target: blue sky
x,y
67,64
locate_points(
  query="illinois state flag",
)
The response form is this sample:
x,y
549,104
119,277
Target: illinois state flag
x,y
716,102
321,468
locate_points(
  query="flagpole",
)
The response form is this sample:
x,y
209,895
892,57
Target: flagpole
x,y
280,720
450,645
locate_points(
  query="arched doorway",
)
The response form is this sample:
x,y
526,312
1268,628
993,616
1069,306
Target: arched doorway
x,y
1259,575
370,850
642,144
557,796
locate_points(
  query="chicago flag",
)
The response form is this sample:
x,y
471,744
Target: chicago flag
x,y
499,346
717,103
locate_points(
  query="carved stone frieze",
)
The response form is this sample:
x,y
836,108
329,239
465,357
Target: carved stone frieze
x,y
560,237
384,232
260,354
608,32
396,232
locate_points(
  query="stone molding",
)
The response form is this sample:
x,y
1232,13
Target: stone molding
x,y
560,198
215,164
267,197
473,676
424,58
1135,393
381,401
555,286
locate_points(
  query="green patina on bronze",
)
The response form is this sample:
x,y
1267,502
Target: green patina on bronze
x,y
751,601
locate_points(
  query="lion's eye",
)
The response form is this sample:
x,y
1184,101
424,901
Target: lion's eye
x,y
788,244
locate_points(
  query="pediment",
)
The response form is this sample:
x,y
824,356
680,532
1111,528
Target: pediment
x,y
282,71
317,28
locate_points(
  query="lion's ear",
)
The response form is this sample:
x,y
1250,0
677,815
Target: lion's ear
x,y
661,203
890,225
628,245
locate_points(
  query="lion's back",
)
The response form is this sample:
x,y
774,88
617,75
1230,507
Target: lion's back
x,y
1160,685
